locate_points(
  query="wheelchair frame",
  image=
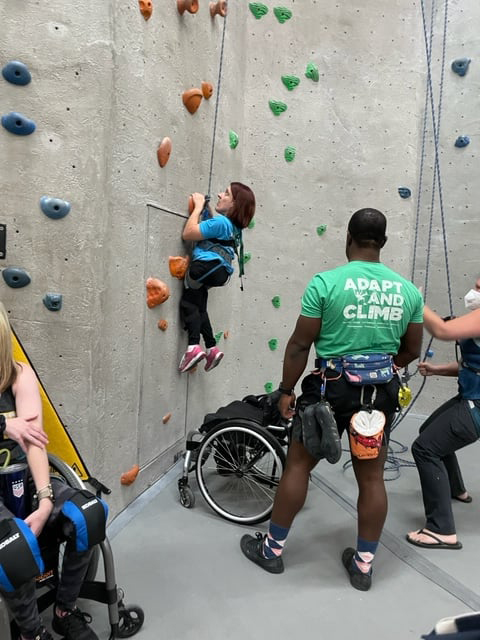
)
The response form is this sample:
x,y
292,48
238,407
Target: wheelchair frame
x,y
125,621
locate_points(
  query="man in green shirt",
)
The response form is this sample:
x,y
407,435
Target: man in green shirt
x,y
370,313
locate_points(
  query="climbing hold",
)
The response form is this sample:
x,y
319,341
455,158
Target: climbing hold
x,y
226,334
312,72
218,336
460,66
251,224
16,72
187,5
247,257
53,301
207,90
54,207
192,99
157,292
273,344
163,152
162,324
178,266
268,386
276,302
282,14
321,229
277,107
16,277
289,154
462,141
218,8
166,417
130,476
18,124
146,8
290,82
404,192
233,138
258,9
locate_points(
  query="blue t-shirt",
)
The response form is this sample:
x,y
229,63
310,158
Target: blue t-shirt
x,y
219,227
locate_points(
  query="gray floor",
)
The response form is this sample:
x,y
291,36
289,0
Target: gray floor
x,y
185,569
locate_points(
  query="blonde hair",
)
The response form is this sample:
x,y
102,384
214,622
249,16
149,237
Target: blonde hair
x,y
8,368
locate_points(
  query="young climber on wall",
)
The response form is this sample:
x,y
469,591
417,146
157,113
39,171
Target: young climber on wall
x,y
211,266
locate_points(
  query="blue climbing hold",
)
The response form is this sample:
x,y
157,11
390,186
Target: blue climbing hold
x,y
54,207
460,66
18,124
404,192
16,72
462,141
16,277
53,301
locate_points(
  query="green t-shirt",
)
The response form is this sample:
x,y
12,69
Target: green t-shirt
x,y
365,307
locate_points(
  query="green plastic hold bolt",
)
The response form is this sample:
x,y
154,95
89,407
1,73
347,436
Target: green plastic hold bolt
x,y
273,344
247,257
277,107
268,386
233,137
282,14
258,9
276,302
321,229
289,154
218,337
312,72
291,82
251,224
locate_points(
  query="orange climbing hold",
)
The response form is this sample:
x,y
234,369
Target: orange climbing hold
x,y
192,99
207,90
146,8
166,418
226,334
157,292
218,8
130,476
162,324
187,5
163,152
178,266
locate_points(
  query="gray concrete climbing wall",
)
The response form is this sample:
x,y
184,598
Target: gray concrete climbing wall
x,y
106,89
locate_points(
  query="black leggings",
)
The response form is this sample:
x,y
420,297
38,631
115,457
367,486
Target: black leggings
x,y
193,304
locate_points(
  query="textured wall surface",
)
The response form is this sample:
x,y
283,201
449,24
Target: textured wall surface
x,y
106,89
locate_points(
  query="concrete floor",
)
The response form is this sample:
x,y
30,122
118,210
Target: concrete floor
x,y
185,568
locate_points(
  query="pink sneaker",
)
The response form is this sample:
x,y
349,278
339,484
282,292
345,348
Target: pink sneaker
x,y
191,357
214,356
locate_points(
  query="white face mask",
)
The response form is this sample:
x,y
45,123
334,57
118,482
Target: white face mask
x,y
472,300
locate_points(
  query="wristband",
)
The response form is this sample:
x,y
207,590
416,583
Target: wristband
x,y
285,392
3,425
45,492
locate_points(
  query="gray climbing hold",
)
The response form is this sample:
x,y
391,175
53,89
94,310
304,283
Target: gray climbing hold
x,y
16,72
53,301
16,277
462,141
460,66
18,124
404,192
54,207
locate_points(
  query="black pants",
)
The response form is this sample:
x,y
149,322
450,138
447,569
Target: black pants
x,y
193,304
448,429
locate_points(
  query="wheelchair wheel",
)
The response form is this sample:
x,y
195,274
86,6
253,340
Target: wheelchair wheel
x,y
238,470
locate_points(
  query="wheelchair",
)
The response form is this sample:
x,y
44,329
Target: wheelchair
x,y
238,456
125,620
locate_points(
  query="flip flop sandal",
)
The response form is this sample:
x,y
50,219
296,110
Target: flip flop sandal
x,y
466,500
437,544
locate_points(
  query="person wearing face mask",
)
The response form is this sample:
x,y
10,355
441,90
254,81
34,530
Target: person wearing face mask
x,y
452,426
211,266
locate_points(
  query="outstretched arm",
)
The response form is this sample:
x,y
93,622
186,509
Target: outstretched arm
x,y
410,345
461,328
429,369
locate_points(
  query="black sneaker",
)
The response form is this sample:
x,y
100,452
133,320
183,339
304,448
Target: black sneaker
x,y
358,580
74,626
252,548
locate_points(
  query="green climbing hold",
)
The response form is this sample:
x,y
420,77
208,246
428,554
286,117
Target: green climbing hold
x,y
277,107
282,14
312,72
218,337
251,224
258,9
233,137
321,229
246,257
290,82
276,302
273,344
268,386
289,154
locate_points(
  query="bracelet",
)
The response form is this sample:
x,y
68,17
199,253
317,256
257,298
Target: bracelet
x,y
285,392
45,492
3,425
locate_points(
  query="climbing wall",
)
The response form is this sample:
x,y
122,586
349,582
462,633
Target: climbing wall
x,y
317,106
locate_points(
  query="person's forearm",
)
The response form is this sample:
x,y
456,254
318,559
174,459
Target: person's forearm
x,y
294,363
38,463
446,369
434,324
404,358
